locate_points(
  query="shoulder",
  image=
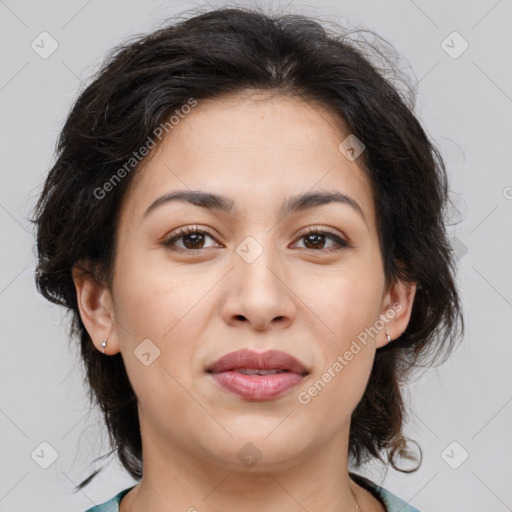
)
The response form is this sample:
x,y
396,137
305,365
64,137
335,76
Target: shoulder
x,y
389,500
111,505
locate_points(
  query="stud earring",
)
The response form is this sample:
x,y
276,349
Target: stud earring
x,y
388,336
103,345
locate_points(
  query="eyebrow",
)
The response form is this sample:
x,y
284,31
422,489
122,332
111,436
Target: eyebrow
x,y
220,203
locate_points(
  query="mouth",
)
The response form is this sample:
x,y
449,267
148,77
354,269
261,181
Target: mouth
x,y
257,376
259,371
264,363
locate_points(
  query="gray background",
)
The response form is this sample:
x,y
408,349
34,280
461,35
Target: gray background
x,y
465,104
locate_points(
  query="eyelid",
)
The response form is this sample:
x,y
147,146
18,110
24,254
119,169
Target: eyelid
x,y
181,232
341,241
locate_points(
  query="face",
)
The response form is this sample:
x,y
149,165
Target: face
x,y
249,277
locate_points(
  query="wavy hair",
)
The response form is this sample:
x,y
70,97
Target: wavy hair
x,y
222,52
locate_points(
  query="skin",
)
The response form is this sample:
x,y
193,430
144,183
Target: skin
x,y
299,296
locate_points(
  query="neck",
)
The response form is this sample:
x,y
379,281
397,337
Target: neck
x,y
316,480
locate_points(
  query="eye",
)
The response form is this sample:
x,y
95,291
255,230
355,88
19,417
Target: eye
x,y
316,237
193,240
193,237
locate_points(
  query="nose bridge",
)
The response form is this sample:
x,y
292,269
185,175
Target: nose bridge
x,y
257,289
258,258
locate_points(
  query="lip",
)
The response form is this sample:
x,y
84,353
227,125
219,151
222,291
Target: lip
x,y
226,372
269,360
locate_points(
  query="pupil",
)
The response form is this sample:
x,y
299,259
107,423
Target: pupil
x,y
317,236
198,240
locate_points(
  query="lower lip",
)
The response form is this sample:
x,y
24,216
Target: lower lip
x,y
257,387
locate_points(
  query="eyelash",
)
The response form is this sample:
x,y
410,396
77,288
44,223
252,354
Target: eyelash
x,y
340,242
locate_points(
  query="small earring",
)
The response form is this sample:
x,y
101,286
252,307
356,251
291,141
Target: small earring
x,y
103,345
388,336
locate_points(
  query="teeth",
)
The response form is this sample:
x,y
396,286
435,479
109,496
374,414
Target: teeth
x,y
248,371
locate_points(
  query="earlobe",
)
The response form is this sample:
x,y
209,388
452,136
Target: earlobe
x,y
95,307
396,311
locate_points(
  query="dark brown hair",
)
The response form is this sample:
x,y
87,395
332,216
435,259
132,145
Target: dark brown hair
x,y
235,50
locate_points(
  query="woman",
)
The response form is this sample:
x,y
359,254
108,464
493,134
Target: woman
x,y
246,220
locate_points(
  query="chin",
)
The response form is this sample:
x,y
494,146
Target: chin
x,y
259,452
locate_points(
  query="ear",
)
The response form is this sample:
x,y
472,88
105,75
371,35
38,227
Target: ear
x,y
396,311
96,309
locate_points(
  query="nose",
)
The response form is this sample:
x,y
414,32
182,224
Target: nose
x,y
258,290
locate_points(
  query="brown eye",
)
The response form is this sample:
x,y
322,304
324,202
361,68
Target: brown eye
x,y
193,239
315,239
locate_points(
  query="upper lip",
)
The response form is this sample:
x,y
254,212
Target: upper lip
x,y
269,360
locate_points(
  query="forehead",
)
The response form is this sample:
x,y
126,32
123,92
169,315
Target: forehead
x,y
254,149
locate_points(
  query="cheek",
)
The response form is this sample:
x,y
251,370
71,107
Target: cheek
x,y
348,303
346,300
153,296
165,305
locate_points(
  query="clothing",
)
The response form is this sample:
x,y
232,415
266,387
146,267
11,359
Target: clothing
x,y
390,502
